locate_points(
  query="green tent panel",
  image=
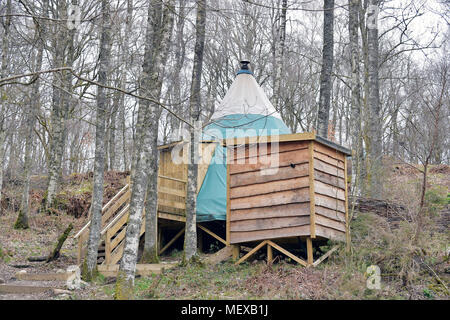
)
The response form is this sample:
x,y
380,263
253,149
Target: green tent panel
x,y
212,197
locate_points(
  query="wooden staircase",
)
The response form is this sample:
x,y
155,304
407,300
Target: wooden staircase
x,y
171,205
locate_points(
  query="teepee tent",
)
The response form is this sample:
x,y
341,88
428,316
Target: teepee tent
x,y
245,111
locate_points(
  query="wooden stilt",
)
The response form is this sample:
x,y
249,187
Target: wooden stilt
x,y
236,251
200,241
309,250
269,254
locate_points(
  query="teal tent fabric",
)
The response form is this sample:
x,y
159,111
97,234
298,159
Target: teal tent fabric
x,y
212,197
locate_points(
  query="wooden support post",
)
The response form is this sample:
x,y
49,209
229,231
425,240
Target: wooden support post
x,y
200,241
347,222
228,202
312,199
269,254
108,247
309,250
158,246
236,252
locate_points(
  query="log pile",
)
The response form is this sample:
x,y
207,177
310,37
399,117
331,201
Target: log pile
x,y
393,212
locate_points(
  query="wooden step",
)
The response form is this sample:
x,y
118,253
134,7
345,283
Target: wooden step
x,y
22,288
110,270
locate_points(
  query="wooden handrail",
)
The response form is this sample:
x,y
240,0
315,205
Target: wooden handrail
x,y
111,232
105,207
114,221
173,179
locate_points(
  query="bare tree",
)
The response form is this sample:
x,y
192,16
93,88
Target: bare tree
x,y
190,236
4,70
161,44
327,67
104,58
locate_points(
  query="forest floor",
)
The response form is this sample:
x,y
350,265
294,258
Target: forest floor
x,y
382,237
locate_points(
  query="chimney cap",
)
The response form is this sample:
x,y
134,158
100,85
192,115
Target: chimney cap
x,y
244,64
244,67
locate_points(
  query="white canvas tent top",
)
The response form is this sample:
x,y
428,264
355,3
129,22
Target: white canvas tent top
x,y
245,111
245,96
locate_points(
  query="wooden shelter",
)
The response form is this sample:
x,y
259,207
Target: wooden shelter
x,y
273,185
287,186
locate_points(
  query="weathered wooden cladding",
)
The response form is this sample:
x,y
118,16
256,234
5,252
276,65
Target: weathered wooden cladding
x,y
269,174
246,236
269,187
268,223
248,152
272,199
282,210
281,159
266,202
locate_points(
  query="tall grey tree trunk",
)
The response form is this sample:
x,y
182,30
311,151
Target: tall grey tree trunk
x,y
143,147
31,113
63,55
126,56
375,123
90,263
327,68
190,235
279,54
356,121
3,73
161,44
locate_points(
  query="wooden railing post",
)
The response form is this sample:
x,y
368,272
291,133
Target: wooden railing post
x,y
108,248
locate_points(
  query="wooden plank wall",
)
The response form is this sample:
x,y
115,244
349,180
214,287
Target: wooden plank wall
x,y
329,188
268,203
168,168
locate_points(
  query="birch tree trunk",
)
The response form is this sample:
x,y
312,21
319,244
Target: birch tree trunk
x,y
143,147
375,124
279,54
22,219
3,94
90,263
61,100
126,57
161,45
356,121
327,68
190,235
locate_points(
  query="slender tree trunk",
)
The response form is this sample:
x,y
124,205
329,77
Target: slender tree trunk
x,y
3,73
190,235
57,115
143,147
279,54
327,67
161,50
22,219
375,124
356,120
104,58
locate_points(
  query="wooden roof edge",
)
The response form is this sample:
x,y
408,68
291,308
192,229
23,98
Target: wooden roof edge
x,y
334,145
172,144
306,136
279,138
